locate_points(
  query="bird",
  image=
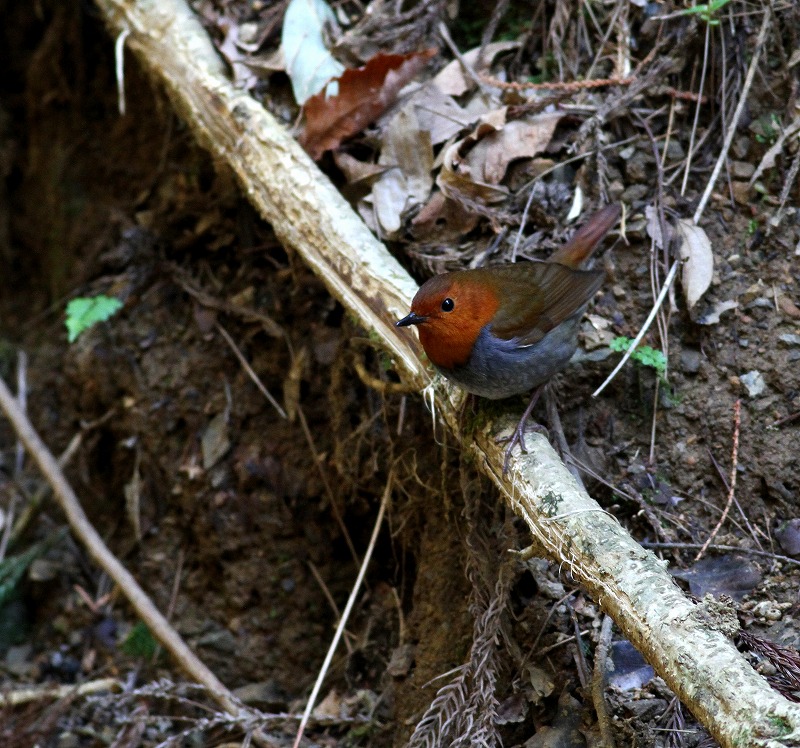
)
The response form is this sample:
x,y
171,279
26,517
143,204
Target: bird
x,y
504,330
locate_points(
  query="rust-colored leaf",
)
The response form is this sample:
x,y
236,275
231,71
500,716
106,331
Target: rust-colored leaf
x,y
364,94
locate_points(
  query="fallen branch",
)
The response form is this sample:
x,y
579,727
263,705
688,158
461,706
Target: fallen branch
x,y
309,216
98,550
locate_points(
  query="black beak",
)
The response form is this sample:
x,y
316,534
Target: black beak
x,y
411,319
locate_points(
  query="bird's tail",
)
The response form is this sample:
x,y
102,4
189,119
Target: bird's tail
x,y
586,238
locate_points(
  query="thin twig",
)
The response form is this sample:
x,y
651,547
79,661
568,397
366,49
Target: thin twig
x,y
85,532
599,683
734,548
37,693
645,327
347,610
737,419
748,81
697,110
249,370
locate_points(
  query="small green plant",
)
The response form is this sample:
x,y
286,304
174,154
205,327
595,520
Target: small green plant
x,y
86,311
767,128
644,354
140,642
706,11
752,226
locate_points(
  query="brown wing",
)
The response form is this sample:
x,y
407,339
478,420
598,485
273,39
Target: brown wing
x,y
562,292
586,238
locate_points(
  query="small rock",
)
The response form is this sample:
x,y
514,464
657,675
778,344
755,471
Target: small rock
x,y
789,338
741,146
675,151
742,169
741,192
266,695
753,382
635,192
637,169
690,361
788,536
401,661
68,740
618,291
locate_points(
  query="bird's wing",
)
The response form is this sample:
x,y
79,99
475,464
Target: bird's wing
x,y
562,293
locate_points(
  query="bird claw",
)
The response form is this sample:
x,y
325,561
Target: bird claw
x,y
518,437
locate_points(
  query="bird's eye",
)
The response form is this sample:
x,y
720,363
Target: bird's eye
x,y
448,305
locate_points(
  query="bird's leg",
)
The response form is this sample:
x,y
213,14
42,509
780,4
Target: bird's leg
x,y
518,437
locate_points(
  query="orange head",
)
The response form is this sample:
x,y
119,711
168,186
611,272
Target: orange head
x,y
450,310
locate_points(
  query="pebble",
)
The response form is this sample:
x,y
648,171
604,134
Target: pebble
x,y
741,192
789,338
753,382
690,361
635,192
742,169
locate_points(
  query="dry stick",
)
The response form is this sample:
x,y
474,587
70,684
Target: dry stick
x,y
599,683
663,319
249,370
645,327
85,532
748,81
737,418
37,693
347,610
735,548
697,110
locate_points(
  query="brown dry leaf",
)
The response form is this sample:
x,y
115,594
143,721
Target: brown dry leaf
x,y
477,164
442,219
439,114
452,80
518,139
364,94
408,154
355,171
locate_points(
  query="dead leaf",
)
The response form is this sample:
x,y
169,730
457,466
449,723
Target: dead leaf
x,y
523,138
215,441
452,80
442,219
698,265
439,114
355,171
408,155
363,95
475,165
309,62
713,315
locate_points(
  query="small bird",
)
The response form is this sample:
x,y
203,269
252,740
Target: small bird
x,y
505,330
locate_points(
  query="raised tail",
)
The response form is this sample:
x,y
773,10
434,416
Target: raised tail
x,y
586,238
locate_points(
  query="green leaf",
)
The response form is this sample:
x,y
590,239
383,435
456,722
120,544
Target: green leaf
x,y
644,354
84,312
140,642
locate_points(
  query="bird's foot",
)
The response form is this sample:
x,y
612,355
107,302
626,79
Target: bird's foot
x,y
518,438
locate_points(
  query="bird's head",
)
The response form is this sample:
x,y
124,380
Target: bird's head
x,y
449,311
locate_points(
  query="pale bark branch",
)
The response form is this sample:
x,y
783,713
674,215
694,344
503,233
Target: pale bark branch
x,y
309,216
